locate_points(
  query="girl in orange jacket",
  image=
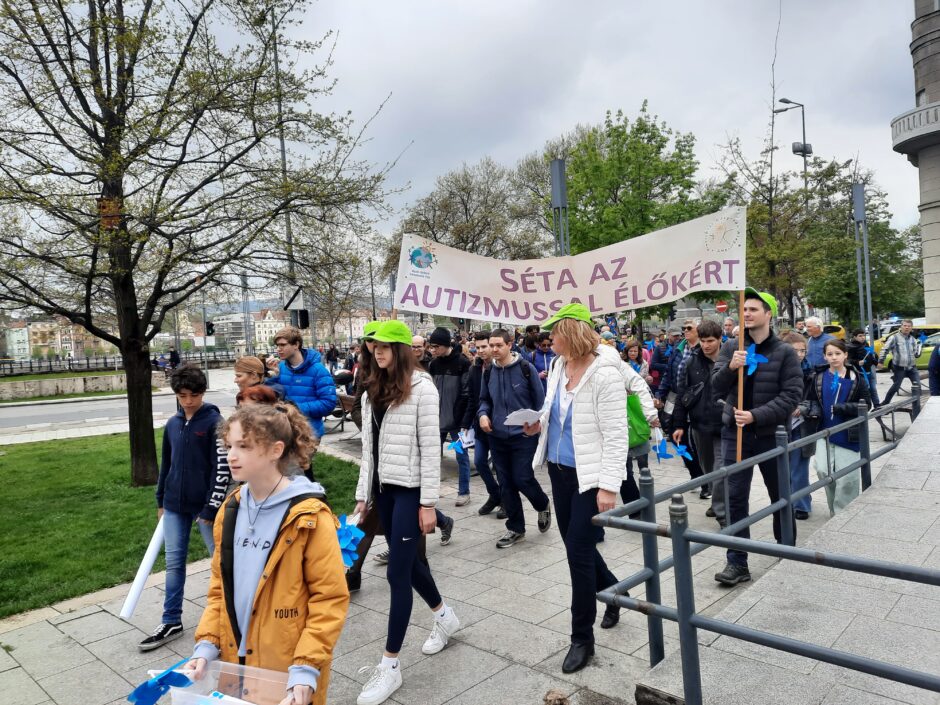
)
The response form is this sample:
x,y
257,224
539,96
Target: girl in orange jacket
x,y
277,596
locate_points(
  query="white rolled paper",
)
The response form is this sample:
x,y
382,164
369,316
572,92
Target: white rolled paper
x,y
143,572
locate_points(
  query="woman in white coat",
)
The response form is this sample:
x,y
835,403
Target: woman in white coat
x,y
584,440
400,476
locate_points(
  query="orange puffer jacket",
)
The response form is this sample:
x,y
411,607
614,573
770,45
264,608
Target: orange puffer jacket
x,y
301,601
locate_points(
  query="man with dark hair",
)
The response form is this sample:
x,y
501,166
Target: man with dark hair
x,y
543,356
667,393
698,414
509,385
481,446
771,395
801,327
174,358
864,360
449,368
194,476
306,381
904,349
419,347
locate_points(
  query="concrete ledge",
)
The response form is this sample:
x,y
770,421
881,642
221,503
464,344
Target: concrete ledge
x,y
898,520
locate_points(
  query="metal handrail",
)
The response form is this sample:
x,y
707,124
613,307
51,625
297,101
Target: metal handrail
x,y
688,542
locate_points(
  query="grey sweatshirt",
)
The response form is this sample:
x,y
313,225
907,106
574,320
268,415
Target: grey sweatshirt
x,y
251,555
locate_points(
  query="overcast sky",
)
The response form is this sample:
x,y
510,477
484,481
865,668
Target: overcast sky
x,y
499,77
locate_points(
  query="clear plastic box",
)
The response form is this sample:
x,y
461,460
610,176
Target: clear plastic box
x,y
231,684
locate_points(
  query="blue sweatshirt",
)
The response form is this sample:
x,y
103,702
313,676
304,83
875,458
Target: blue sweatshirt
x,y
251,549
194,472
506,389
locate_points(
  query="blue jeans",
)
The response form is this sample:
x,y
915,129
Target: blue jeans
x,y
799,478
873,386
463,464
512,458
176,530
481,460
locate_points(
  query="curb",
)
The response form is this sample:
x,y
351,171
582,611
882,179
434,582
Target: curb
x,y
45,402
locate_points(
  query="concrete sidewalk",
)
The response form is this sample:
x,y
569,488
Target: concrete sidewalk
x,y
513,606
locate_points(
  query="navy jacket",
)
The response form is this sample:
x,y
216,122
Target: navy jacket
x,y
309,386
194,473
933,372
506,389
542,361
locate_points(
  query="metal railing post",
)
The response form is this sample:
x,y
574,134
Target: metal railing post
x,y
685,602
864,445
787,525
654,623
915,397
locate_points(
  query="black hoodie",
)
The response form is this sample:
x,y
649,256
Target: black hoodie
x,y
450,378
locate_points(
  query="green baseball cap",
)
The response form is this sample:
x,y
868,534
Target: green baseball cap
x,y
368,330
578,312
393,332
765,297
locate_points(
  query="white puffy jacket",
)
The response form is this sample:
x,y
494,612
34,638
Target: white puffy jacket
x,y
599,422
409,443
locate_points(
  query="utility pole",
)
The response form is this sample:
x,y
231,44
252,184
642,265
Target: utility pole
x,y
205,337
372,287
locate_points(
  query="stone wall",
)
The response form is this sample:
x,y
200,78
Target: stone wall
x,y
62,385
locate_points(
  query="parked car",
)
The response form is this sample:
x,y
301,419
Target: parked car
x,y
835,330
922,361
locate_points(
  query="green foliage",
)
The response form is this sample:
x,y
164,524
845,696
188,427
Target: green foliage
x,y
79,527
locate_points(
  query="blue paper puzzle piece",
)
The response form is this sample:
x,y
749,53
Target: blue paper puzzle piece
x,y
149,692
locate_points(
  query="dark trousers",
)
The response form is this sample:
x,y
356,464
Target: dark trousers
x,y
481,460
589,572
709,454
398,511
898,375
512,459
629,490
739,484
372,526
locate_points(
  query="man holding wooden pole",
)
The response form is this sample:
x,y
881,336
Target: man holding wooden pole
x,y
760,387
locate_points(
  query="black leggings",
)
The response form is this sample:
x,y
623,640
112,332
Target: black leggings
x,y
398,510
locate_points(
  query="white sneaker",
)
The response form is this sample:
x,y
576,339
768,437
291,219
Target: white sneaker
x,y
381,684
441,632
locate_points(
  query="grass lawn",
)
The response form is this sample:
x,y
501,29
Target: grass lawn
x,y
54,375
73,524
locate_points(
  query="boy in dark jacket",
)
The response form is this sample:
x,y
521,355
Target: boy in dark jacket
x,y
193,481
771,394
863,358
481,446
509,385
449,368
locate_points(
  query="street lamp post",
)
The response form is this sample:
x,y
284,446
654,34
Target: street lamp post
x,y
372,287
800,148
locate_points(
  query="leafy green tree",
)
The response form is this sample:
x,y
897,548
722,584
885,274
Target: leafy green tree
x,y
139,162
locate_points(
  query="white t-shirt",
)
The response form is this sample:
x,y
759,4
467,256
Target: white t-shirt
x,y
564,396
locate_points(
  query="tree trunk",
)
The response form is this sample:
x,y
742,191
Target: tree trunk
x,y
140,413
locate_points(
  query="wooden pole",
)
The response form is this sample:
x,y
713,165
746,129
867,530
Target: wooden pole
x,y
740,370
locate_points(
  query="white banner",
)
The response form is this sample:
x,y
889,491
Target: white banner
x,y
705,254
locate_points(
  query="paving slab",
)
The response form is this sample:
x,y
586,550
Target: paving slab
x,y
91,684
17,688
514,639
42,650
513,684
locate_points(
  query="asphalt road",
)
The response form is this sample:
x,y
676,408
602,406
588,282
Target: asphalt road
x,y
112,409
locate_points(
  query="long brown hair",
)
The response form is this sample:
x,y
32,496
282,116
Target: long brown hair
x,y
391,386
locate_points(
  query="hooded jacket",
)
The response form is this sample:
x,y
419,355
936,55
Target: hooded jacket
x,y
842,411
705,414
450,377
474,382
542,360
300,603
776,385
409,444
599,422
194,472
309,386
507,389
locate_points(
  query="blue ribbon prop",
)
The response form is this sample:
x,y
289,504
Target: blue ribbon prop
x,y
456,446
662,450
682,451
922,337
869,349
754,358
649,345
149,692
349,537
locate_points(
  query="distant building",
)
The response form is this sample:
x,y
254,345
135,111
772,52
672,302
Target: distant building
x,y
17,340
267,322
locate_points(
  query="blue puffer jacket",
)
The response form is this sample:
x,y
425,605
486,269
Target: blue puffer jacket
x,y
309,386
194,472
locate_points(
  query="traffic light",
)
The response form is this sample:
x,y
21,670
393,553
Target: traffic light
x,y
303,319
210,328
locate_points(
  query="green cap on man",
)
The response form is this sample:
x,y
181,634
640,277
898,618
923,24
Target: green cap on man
x,y
763,296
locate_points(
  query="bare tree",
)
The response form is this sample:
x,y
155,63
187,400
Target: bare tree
x,y
139,160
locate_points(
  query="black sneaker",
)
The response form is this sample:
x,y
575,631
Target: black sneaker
x,y
705,493
353,581
447,527
545,520
510,538
501,514
488,507
710,512
733,574
801,514
381,558
161,635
